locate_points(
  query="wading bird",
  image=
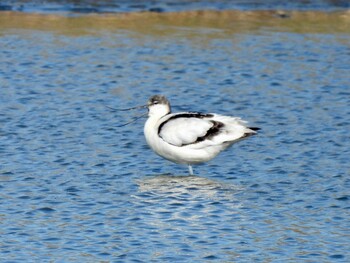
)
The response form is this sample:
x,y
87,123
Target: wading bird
x,y
190,137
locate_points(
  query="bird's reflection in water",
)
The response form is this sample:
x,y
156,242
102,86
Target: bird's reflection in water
x,y
185,204
177,185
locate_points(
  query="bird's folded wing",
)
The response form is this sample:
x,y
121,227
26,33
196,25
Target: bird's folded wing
x,y
184,131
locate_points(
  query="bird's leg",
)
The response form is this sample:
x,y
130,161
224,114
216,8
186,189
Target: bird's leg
x,y
190,170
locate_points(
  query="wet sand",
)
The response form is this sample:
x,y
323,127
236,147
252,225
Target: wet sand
x,y
222,23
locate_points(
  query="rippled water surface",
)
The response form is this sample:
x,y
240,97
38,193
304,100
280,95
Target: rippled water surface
x,y
76,188
159,6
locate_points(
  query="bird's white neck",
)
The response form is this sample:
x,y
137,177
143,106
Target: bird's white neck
x,y
155,113
158,111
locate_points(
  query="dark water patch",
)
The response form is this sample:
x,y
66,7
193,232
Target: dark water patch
x,y
343,198
336,256
46,209
88,6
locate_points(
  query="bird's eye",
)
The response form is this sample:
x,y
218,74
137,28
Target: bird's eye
x,y
155,102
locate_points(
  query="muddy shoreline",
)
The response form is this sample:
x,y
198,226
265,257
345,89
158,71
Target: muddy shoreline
x,y
231,21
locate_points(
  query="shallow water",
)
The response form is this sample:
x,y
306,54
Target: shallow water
x,y
159,6
76,188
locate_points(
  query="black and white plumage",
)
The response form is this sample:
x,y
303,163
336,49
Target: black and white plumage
x,y
190,137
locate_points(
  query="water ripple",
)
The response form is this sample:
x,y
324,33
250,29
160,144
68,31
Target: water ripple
x,y
75,188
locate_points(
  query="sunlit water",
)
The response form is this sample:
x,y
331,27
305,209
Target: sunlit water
x,y
159,6
76,188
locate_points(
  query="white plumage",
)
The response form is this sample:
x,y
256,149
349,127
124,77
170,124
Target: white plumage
x,y
190,137
183,131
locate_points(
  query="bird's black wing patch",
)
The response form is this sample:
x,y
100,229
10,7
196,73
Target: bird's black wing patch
x,y
211,132
248,134
214,129
185,115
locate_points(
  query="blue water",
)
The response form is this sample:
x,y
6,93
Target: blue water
x,y
159,6
76,188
